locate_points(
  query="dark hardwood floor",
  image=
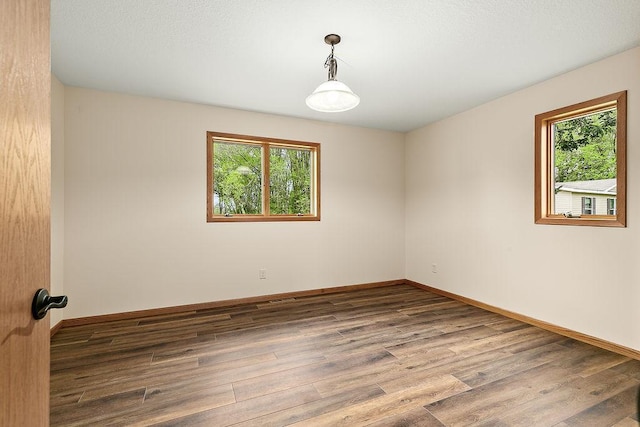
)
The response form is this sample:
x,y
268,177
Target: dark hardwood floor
x,y
391,356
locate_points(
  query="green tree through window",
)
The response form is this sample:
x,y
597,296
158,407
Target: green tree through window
x,y
261,179
585,147
237,179
290,174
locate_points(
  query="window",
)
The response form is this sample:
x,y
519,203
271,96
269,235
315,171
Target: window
x,y
588,205
262,179
611,206
582,149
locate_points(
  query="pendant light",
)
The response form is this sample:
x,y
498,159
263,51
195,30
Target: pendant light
x,y
332,96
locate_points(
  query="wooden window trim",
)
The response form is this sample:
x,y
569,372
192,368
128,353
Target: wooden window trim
x,y
544,168
265,143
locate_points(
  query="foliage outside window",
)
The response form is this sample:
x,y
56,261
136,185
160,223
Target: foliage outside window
x,y
580,163
262,179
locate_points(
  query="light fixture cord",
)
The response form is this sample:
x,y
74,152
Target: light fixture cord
x,y
332,65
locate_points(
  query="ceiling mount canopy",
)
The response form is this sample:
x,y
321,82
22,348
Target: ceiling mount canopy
x,y
332,96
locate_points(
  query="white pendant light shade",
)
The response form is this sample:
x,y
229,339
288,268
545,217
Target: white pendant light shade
x,y
332,97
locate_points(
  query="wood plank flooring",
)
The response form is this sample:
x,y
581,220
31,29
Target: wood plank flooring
x,y
391,356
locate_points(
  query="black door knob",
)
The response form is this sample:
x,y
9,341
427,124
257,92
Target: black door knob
x,y
43,302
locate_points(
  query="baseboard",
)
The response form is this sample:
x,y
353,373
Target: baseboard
x,y
224,303
616,348
56,328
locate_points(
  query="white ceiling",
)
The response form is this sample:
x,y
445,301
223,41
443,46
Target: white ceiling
x,y
411,62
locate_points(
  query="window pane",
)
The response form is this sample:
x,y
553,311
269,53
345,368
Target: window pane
x,y
584,162
588,205
237,178
290,181
580,151
241,171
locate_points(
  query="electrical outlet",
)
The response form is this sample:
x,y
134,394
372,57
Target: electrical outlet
x,y
262,274
434,268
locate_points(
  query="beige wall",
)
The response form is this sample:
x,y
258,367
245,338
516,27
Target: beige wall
x,y
136,235
469,209
57,195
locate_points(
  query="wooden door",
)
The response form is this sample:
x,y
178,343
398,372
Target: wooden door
x,y
25,163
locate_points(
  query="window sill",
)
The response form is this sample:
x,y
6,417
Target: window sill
x,y
260,218
591,221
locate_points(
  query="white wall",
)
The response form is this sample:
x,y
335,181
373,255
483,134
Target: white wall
x,y
469,209
57,195
136,235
